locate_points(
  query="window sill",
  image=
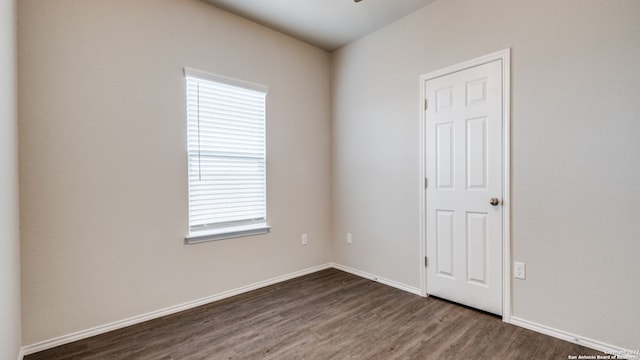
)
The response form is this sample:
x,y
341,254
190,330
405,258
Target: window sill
x,y
227,233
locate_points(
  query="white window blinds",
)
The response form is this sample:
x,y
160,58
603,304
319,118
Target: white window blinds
x,y
226,150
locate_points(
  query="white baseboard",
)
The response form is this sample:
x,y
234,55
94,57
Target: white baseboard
x,y
379,279
66,339
573,338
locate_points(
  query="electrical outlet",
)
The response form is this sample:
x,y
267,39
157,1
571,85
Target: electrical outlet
x,y
349,239
519,270
304,240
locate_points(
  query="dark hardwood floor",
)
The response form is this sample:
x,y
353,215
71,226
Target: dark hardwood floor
x,y
325,315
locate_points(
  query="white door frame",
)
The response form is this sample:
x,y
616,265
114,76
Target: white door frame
x,y
505,57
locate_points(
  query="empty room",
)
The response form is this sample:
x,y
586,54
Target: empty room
x,y
319,179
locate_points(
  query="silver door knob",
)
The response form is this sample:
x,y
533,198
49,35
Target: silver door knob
x,y
494,201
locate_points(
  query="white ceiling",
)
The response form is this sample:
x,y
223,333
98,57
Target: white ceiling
x,y
328,24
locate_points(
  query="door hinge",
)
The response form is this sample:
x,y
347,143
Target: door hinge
x,y
426,104
426,261
426,183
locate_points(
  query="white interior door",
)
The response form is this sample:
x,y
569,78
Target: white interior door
x,y
464,193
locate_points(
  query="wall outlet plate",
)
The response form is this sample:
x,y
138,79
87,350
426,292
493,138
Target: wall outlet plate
x,y
304,240
519,270
349,239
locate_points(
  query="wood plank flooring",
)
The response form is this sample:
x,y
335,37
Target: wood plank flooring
x,y
326,315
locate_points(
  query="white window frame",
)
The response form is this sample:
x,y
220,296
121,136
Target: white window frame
x,y
220,230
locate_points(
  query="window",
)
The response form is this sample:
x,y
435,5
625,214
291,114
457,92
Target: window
x,y
227,158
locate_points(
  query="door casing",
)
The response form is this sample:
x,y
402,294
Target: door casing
x,y
505,57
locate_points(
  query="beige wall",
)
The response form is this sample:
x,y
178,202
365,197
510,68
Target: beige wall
x,y
102,156
575,144
9,233
103,162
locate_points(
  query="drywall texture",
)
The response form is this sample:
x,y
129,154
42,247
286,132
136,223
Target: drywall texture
x,y
9,233
575,131
103,158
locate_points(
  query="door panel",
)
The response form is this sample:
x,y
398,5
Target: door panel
x,y
464,157
444,243
477,248
476,154
444,156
